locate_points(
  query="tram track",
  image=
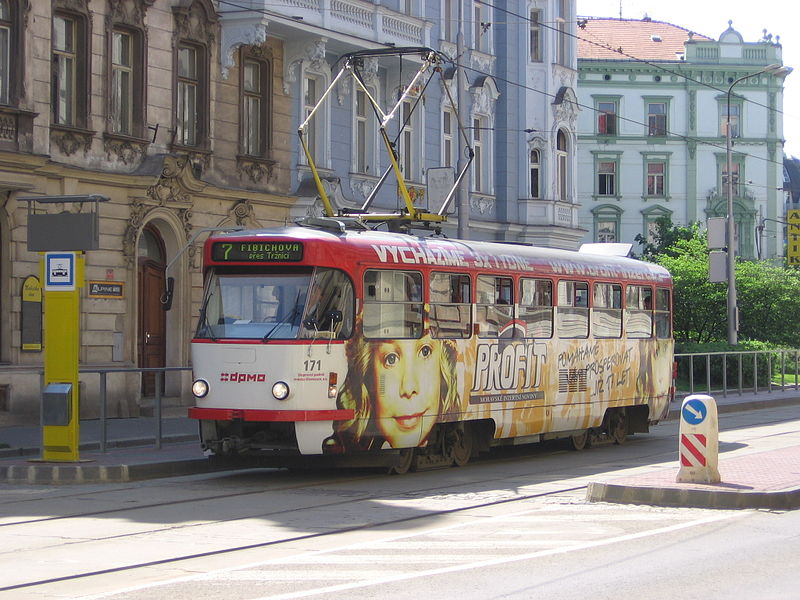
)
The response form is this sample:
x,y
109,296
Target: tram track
x,y
290,539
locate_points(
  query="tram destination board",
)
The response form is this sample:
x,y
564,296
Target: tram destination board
x,y
250,251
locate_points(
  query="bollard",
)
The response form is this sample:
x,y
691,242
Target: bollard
x,y
698,445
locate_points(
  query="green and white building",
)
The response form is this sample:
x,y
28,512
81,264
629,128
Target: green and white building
x,y
652,131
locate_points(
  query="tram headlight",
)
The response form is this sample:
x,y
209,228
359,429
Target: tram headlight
x,y
280,390
200,388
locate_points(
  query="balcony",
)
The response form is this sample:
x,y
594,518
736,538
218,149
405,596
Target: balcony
x,y
350,17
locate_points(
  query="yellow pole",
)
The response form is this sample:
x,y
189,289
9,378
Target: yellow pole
x,y
63,275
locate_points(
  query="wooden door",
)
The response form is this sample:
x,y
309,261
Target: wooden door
x,y
152,323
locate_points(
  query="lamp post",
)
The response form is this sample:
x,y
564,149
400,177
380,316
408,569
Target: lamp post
x,y
731,229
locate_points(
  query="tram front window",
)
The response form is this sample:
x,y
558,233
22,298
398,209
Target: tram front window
x,y
243,304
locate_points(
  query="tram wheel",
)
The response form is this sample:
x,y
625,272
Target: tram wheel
x,y
581,441
405,463
618,427
461,450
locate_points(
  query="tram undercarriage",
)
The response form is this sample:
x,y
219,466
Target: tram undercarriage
x,y
274,444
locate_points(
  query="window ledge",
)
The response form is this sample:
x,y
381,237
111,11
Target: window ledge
x,y
604,198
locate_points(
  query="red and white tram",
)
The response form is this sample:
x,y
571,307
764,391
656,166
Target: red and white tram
x,y
321,342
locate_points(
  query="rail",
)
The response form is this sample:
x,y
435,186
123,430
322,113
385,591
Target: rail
x,y
747,370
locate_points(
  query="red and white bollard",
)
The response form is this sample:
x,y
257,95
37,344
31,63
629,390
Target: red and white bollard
x,y
698,447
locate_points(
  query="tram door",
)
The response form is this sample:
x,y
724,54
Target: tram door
x,y
152,319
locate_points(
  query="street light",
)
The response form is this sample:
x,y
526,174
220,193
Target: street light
x,y
778,70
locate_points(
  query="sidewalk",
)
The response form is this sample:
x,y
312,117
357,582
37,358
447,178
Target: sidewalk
x,y
762,479
766,478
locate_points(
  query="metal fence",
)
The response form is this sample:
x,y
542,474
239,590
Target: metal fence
x,y
752,371
102,392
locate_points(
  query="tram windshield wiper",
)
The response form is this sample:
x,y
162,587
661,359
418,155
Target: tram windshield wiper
x,y
204,322
298,305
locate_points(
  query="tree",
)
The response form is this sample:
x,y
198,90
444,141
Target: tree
x,y
768,296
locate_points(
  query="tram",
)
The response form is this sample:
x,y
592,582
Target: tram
x,y
322,341
332,342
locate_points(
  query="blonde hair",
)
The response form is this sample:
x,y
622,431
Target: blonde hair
x,y
359,387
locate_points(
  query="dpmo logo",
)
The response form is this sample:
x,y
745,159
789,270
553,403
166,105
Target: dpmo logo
x,y
236,377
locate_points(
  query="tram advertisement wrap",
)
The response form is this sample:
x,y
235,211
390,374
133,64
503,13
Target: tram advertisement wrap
x,y
399,389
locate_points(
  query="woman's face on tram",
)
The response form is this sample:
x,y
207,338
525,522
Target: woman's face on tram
x,y
407,388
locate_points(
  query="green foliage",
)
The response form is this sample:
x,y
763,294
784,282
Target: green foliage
x,y
768,296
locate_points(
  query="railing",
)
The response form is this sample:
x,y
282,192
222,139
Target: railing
x,y
751,370
159,372
102,398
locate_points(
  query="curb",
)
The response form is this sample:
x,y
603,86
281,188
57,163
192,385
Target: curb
x,y
693,498
731,407
115,444
48,473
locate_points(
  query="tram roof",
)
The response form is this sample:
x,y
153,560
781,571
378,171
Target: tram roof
x,y
409,250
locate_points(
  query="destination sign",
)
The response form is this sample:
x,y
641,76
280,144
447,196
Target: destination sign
x,y
257,251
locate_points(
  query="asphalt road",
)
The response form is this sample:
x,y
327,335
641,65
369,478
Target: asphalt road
x,y
515,525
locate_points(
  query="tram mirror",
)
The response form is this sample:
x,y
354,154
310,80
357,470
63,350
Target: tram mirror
x,y
166,298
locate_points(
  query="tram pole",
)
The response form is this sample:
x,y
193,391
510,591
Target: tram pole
x,y
462,193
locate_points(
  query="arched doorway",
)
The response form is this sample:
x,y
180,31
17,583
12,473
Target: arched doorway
x,y
151,344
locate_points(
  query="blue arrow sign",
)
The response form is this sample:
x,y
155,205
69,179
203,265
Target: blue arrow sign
x,y
694,412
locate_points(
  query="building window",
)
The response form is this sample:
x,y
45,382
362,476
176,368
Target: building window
x,y
310,98
607,178
655,178
480,24
65,69
481,166
607,118
563,33
562,174
536,170
189,96
653,218
364,144
606,223
5,51
535,36
408,160
656,119
255,86
126,104
449,20
734,174
407,7
449,145
735,112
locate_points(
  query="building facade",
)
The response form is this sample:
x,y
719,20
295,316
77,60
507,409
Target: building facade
x,y
184,115
129,100
657,101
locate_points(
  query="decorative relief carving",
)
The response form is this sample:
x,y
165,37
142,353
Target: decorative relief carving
x,y
255,169
310,56
482,205
176,183
194,22
124,150
128,12
69,141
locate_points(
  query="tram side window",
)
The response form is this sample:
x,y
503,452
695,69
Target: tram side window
x,y
536,307
663,316
639,311
572,314
607,310
451,308
392,304
494,306
329,310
